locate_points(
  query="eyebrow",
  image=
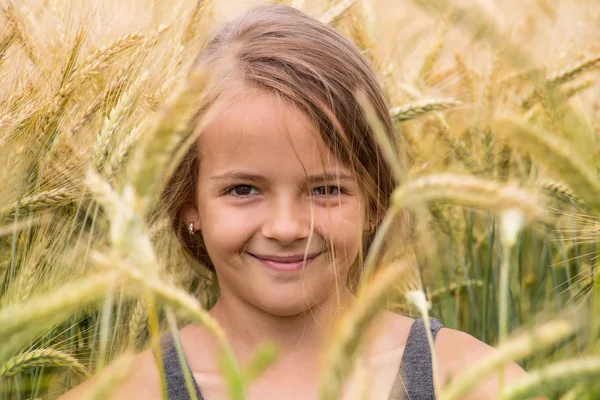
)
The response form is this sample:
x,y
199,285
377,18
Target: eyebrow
x,y
244,176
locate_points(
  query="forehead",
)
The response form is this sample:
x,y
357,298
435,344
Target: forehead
x,y
257,130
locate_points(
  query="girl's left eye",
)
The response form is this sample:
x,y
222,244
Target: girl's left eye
x,y
327,191
241,191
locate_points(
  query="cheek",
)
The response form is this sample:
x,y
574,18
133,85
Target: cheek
x,y
342,227
225,230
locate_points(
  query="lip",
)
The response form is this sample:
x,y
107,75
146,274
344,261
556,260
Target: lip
x,y
285,263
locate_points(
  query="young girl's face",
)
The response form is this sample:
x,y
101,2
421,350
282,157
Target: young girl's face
x,y
270,192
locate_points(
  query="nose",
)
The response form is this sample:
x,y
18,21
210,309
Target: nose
x,y
287,221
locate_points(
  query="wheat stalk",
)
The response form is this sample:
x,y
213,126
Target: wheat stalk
x,y
349,332
109,379
40,358
174,297
171,128
44,310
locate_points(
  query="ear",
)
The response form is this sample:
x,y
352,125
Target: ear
x,y
189,213
372,216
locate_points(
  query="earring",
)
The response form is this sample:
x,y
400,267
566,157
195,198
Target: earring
x,y
191,228
372,225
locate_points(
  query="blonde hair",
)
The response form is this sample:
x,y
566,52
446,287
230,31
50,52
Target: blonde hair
x,y
281,50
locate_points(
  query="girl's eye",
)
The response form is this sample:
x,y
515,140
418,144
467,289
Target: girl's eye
x,y
241,191
327,191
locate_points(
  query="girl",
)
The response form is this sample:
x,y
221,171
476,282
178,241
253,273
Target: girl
x,y
283,189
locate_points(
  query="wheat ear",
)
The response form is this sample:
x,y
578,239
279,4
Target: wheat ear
x,y
467,191
337,11
199,14
418,108
562,76
41,358
558,154
115,120
5,43
578,88
119,156
139,319
15,21
41,201
542,337
571,72
550,379
454,288
434,53
462,152
562,192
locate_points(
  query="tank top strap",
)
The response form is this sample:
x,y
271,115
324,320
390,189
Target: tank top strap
x,y
415,377
176,388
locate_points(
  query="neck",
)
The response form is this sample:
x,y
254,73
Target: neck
x,y
296,336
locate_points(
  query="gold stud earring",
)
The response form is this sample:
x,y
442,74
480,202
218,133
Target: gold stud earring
x,y
191,228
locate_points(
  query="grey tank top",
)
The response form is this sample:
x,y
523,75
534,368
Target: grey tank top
x,y
413,382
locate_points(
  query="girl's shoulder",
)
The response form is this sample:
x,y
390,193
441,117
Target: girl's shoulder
x,y
141,381
457,352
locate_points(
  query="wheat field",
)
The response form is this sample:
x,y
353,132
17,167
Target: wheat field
x,y
497,107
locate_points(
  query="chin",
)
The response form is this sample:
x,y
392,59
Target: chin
x,y
284,307
289,302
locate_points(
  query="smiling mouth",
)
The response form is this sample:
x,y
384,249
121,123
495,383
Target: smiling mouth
x,y
286,259
286,263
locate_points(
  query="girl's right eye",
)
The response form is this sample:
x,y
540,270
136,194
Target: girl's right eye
x,y
241,191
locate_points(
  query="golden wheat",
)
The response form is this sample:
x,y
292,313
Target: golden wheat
x,y
542,337
40,358
337,11
109,379
467,191
418,108
47,309
41,201
553,378
558,154
348,334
